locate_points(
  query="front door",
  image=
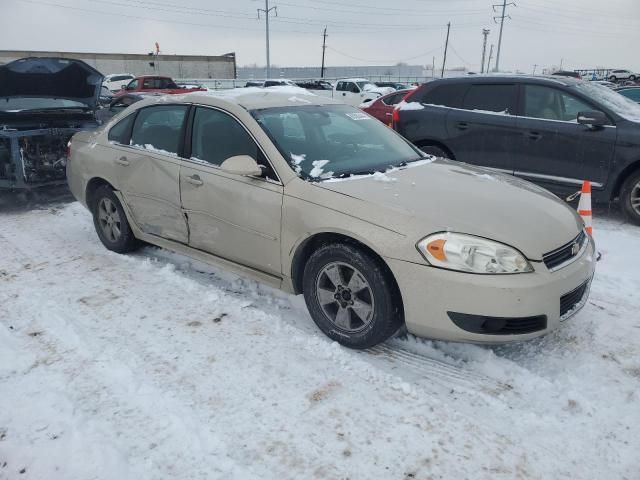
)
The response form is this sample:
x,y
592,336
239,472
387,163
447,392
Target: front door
x,y
555,151
234,217
148,169
484,131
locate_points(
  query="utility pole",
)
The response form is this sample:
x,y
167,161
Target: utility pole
x,y
485,33
535,65
446,46
433,68
267,12
490,57
501,17
324,48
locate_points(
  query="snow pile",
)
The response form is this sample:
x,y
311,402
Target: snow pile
x,y
317,171
382,177
409,106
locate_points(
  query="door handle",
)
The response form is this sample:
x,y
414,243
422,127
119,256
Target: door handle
x,y
462,125
122,161
195,180
534,135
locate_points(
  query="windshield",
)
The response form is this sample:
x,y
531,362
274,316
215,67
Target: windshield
x,y
333,141
615,102
28,103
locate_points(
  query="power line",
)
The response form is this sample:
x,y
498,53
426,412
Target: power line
x,y
324,49
446,46
267,12
501,17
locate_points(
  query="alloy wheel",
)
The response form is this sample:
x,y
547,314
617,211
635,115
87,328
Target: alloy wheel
x,y
634,197
109,219
345,296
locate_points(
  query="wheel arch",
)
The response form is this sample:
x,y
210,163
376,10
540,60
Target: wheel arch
x,y
436,143
622,177
310,244
92,187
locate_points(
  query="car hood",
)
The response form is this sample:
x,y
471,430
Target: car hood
x,y
60,78
444,195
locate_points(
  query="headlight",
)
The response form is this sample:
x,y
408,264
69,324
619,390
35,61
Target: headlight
x,y
466,253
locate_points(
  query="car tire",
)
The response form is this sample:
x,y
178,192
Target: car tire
x,y
111,222
630,198
351,296
435,151
632,78
612,78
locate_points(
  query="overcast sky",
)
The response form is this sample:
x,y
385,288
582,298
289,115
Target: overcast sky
x,y
581,33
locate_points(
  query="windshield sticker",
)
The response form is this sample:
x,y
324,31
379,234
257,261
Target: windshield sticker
x,y
358,116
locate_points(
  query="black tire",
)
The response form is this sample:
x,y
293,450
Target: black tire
x,y
613,78
123,242
632,78
435,151
387,314
629,195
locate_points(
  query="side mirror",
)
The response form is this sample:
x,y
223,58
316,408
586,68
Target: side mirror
x,y
242,165
592,118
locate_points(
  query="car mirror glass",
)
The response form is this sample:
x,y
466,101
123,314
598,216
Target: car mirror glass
x,y
242,165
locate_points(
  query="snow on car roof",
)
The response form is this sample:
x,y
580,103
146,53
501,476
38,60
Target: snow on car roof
x,y
253,97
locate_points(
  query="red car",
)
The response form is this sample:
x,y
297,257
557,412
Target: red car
x,y
382,108
155,84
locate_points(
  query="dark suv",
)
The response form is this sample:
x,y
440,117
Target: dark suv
x,y
553,131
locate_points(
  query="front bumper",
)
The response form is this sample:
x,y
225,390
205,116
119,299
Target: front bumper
x,y
429,293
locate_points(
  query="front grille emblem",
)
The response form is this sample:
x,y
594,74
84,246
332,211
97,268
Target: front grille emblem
x,y
575,248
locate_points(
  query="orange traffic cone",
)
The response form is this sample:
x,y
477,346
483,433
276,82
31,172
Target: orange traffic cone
x,y
584,207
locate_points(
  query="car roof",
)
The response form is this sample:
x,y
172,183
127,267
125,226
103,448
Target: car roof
x,y
249,98
499,78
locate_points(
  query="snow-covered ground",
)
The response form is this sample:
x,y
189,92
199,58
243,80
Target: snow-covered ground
x,y
153,366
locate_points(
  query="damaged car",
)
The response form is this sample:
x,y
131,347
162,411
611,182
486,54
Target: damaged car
x,y
43,103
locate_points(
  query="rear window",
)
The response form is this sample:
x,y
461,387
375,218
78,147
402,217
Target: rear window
x,y
121,131
446,95
491,98
159,128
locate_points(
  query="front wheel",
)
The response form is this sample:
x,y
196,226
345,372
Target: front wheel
x,y
632,78
350,296
630,198
111,222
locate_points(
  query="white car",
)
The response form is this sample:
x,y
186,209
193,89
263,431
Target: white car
x,y
355,91
117,81
616,75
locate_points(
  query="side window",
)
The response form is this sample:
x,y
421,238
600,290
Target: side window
x,y
633,94
132,85
447,95
159,128
121,131
497,98
550,104
352,87
217,136
340,87
395,99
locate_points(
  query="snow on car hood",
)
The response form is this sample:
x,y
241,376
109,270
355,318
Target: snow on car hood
x,y
451,196
60,78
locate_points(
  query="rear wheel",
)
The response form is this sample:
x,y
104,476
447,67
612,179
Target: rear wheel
x,y
612,78
435,151
350,296
111,222
630,198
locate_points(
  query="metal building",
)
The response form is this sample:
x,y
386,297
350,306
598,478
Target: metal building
x,y
176,66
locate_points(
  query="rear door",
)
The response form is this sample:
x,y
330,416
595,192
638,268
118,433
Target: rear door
x,y
483,132
148,169
555,151
234,217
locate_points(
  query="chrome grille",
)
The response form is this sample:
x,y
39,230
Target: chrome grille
x,y
566,254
